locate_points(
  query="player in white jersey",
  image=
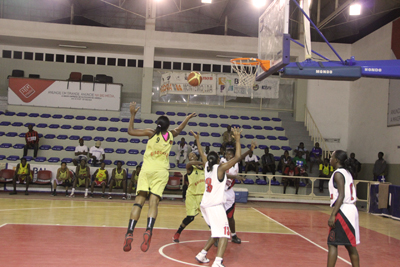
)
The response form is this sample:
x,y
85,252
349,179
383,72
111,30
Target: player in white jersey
x,y
212,204
343,223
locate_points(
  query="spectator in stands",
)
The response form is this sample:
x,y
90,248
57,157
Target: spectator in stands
x,y
251,163
81,152
380,167
63,178
221,152
268,163
304,152
134,179
100,179
315,156
118,179
32,141
82,177
96,153
355,165
194,148
207,150
300,162
182,151
284,161
22,175
291,170
325,171
227,137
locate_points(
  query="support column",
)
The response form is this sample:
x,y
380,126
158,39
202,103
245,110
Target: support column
x,y
300,99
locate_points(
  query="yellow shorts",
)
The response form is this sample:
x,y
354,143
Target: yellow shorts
x,y
193,204
81,182
118,183
152,181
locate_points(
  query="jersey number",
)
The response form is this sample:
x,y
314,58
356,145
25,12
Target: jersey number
x,y
227,231
209,185
351,191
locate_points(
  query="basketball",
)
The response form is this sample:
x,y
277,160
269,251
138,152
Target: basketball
x,y
194,78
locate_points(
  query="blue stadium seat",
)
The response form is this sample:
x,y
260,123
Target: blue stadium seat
x,y
216,144
142,151
181,114
183,133
244,118
123,130
91,118
29,123
279,129
18,146
80,118
172,123
135,140
249,136
40,159
255,118
276,119
179,122
68,117
5,145
109,150
234,117
45,147
9,113
116,162
170,113
131,163
66,160
28,158
213,116
203,124
144,141
22,114
99,138
17,124
121,151
33,115
57,148
224,125
112,119
172,153
66,127
70,148
262,147
104,119
89,128
123,140
137,121
182,166
22,135
133,151
13,158
49,136
222,116
160,113
192,123
54,126
148,121
265,119
260,137
261,181
107,162
248,181
247,127
288,148
53,160
101,129
57,116
86,138
5,123
277,158
77,127
202,115
2,133
62,136
172,165
205,144
113,129
214,125
257,127
268,128
271,137
74,137
45,115
125,119
204,134
275,148
215,134
282,138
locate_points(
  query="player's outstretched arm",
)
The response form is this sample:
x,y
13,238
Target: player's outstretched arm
x,y
137,132
197,137
227,165
175,132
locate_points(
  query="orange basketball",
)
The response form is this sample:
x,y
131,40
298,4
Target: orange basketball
x,y
194,78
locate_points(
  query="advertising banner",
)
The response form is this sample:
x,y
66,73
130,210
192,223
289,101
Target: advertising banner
x,y
176,83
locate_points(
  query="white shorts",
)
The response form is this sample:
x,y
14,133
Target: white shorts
x,y
215,217
230,199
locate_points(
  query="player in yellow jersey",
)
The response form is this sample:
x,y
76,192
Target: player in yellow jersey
x,y
22,175
194,193
100,179
118,178
134,180
63,178
82,177
154,174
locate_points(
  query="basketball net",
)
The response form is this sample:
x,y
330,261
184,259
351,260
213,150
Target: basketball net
x,y
247,69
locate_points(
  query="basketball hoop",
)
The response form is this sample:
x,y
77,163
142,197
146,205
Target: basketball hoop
x,y
247,69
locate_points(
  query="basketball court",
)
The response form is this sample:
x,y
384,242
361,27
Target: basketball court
x,y
45,231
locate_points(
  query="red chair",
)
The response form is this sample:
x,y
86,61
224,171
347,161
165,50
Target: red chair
x,y
174,183
6,176
75,76
44,177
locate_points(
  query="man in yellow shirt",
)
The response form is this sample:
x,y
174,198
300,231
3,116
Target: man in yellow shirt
x,y
100,179
22,175
325,171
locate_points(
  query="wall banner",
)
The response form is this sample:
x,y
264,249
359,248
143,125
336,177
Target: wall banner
x,y
176,83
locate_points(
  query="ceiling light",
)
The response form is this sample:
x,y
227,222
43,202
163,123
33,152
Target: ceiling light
x,y
206,1
73,46
355,10
259,3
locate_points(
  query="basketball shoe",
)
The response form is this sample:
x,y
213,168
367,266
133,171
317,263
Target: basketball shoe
x,y
146,241
236,239
217,264
202,258
128,241
176,237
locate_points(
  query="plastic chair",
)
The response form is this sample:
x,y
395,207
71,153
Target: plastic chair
x,y
255,118
124,140
276,119
80,118
75,76
275,148
68,117
5,123
44,147
133,151
202,115
271,137
257,127
108,150
170,113
234,117
216,144
54,126
265,119
91,118
6,176
70,148
116,162
53,160
111,139
86,138
89,128
192,123
17,73
17,124
215,134
282,138
244,118
87,78
224,125
213,116
144,141
112,119
12,134
49,136
66,160
57,116
288,148
57,148
77,127
18,146
249,136
125,120
45,115
121,151
148,121
113,129
40,159
203,124
214,125
131,163
74,137
160,113
98,138
5,145
247,127
172,153
22,135
135,140
181,114
101,129
268,128
223,116
123,130
33,115
172,165
279,128
44,177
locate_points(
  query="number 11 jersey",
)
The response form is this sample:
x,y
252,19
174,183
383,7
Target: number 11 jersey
x,y
214,193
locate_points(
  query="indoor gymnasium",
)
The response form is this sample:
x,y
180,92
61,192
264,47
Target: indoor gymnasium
x,y
199,133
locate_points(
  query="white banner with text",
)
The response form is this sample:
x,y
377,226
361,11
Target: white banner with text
x,y
176,83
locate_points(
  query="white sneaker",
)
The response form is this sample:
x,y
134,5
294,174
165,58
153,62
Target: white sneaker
x,y
109,197
72,195
129,196
202,258
215,264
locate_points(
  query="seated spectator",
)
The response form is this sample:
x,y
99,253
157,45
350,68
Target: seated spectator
x,y
32,141
22,175
268,163
207,150
182,151
221,152
315,156
63,178
251,163
291,170
355,165
82,177
227,137
284,161
380,168
118,179
81,152
194,148
134,179
300,162
325,170
96,153
304,152
100,179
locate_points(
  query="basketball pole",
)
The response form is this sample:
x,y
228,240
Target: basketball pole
x,y
307,31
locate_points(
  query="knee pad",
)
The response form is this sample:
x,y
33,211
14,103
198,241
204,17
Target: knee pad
x,y
188,220
138,205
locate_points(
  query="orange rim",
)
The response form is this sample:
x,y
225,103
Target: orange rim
x,y
251,61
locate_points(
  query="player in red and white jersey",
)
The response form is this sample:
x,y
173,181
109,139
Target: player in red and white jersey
x,y
344,229
212,204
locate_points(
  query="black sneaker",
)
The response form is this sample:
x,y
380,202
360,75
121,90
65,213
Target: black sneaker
x,y
26,193
13,193
236,239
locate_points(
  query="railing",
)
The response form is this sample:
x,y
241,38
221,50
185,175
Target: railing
x,y
315,134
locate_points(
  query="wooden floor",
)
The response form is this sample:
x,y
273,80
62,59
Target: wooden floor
x,y
40,230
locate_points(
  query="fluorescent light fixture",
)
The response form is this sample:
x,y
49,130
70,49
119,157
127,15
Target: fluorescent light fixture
x,y
206,1
73,46
259,3
355,10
